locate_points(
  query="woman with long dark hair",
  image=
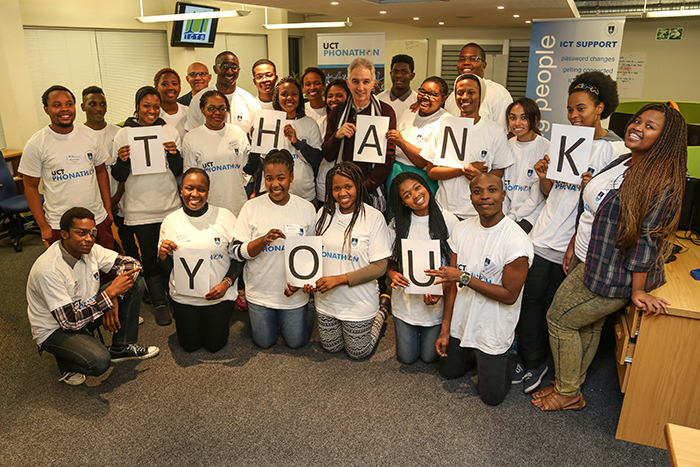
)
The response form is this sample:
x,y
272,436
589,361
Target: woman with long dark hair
x,y
630,238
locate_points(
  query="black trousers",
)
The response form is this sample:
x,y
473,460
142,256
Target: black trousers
x,y
494,370
203,326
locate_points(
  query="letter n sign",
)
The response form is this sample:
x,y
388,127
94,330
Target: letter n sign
x,y
303,260
416,257
453,142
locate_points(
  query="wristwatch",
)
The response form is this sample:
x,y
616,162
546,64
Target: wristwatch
x,y
464,279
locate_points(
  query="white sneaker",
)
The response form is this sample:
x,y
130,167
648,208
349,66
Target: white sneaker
x,y
141,320
72,378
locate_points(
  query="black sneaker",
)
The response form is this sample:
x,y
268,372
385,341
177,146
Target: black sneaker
x,y
518,374
533,378
132,352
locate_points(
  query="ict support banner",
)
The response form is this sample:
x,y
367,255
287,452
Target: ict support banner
x,y
561,49
336,51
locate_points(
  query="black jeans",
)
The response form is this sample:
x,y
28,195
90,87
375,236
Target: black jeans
x,y
543,280
203,326
155,277
80,352
494,370
126,238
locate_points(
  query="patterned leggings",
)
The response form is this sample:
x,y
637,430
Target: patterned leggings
x,y
358,338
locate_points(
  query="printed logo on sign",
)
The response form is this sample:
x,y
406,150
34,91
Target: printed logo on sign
x,y
194,29
610,29
354,242
216,241
530,172
599,196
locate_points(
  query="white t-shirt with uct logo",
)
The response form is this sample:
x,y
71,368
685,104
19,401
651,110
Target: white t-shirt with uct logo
x,y
369,241
480,322
66,165
487,144
211,232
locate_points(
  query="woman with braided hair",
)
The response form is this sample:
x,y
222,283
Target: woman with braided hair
x,y
632,225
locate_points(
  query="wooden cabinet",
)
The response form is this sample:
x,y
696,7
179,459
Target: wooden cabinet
x,y
658,358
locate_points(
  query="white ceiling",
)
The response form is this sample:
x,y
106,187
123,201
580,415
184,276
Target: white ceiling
x,y
454,13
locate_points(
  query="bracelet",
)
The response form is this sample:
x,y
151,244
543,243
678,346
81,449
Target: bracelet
x,y
230,282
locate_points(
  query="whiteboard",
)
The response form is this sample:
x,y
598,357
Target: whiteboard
x,y
418,49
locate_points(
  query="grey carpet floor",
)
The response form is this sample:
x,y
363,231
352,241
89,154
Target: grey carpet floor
x,y
280,407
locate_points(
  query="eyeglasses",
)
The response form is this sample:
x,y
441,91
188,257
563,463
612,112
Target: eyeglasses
x,y
471,58
429,94
86,232
194,74
211,109
229,66
261,76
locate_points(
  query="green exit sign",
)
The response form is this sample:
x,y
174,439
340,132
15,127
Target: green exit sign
x,y
669,34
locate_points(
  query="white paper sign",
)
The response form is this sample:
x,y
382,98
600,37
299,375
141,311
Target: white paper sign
x,y
370,139
146,153
417,256
268,131
453,142
191,270
569,152
302,260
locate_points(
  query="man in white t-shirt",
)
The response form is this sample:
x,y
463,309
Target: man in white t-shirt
x,y
70,161
198,78
66,303
490,259
95,107
472,59
264,79
243,104
400,96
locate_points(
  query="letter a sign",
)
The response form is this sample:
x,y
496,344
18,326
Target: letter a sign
x,y
147,153
417,256
268,126
370,139
191,269
569,152
302,259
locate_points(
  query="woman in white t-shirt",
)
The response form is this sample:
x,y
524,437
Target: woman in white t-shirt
x,y
337,93
148,198
414,129
302,137
221,149
167,83
355,254
592,98
313,82
524,199
200,228
417,216
274,306
489,150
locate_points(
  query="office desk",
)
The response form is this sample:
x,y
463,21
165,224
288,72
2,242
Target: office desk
x,y
659,358
683,445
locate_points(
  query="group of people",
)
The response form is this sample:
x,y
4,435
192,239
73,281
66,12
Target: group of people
x,y
520,254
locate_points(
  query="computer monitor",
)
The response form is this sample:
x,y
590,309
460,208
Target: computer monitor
x,y
690,214
194,32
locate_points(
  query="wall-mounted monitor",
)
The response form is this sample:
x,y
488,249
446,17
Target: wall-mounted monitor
x,y
194,32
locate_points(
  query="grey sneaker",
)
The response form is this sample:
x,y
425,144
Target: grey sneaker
x,y
72,378
133,352
518,374
533,378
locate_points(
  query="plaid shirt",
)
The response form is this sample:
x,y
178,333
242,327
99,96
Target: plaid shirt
x,y
609,272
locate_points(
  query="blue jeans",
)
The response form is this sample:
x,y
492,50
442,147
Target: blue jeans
x,y
295,325
80,352
413,342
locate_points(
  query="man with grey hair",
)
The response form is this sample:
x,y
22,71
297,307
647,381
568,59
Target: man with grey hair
x,y
198,78
339,141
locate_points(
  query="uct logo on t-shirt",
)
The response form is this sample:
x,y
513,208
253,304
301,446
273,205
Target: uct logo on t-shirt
x,y
89,156
530,172
216,241
239,118
483,154
599,196
354,242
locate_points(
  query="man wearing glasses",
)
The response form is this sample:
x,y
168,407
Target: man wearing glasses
x,y
66,303
198,78
400,96
264,78
472,59
243,104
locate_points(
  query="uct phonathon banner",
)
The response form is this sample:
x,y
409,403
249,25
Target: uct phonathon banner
x,y
336,51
